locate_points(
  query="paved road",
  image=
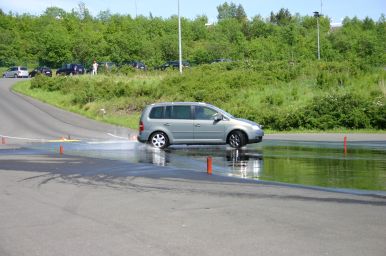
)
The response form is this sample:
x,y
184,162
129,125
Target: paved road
x,y
60,205
48,208
24,120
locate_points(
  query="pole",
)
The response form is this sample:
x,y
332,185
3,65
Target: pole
x,y
317,16
179,38
317,20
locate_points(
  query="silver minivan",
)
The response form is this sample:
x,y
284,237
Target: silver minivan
x,y
16,72
164,124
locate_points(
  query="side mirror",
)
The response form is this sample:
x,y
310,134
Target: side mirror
x,y
217,117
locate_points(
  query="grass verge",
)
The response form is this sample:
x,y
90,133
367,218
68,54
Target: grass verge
x,y
108,112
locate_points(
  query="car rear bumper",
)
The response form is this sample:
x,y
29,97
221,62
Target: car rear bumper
x,y
141,139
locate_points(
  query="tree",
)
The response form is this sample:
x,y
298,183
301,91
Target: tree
x,y
283,17
83,13
55,46
229,11
104,15
54,12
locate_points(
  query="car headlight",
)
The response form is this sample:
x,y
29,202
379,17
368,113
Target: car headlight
x,y
257,127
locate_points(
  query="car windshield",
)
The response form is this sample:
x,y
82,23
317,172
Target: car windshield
x,y
23,68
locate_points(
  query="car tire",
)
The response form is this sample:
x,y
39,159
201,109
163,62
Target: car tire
x,y
14,76
237,139
159,140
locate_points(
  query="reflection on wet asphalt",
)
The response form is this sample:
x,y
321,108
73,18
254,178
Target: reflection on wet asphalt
x,y
307,163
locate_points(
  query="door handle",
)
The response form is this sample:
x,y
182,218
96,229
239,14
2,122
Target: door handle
x,y
167,124
197,125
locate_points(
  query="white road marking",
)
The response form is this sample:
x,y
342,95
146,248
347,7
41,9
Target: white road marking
x,y
115,136
40,140
21,138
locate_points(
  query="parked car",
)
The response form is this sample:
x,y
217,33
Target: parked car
x,y
102,67
16,72
70,69
175,64
106,65
41,70
135,64
164,124
221,60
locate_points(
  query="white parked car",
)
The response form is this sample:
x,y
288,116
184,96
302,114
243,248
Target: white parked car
x,y
16,72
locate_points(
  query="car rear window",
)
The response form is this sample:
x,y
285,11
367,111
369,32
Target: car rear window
x,y
23,68
171,112
156,113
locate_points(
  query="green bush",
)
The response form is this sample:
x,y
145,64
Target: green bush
x,y
279,95
337,111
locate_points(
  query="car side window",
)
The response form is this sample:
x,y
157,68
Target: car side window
x,y
156,113
203,113
178,112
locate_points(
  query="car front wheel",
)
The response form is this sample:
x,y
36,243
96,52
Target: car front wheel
x,y
237,139
159,140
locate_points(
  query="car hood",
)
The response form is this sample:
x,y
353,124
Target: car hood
x,y
247,121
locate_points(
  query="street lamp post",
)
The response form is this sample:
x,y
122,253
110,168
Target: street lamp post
x,y
179,38
317,16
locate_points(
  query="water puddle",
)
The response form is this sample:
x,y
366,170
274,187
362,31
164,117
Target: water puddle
x,y
306,163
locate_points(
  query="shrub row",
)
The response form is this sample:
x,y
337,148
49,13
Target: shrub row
x,y
279,95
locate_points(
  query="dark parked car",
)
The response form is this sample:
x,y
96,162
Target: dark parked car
x,y
135,64
175,64
41,70
70,69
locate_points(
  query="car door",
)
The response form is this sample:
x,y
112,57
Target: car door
x,y
8,73
11,72
206,129
179,122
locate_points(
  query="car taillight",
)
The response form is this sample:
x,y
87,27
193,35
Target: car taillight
x,y
141,126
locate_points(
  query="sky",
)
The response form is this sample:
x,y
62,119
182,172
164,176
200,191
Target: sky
x,y
336,10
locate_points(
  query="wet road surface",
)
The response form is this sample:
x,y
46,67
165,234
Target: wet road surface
x,y
322,164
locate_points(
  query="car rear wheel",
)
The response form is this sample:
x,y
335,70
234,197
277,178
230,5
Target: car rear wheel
x,y
237,139
159,140
14,76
